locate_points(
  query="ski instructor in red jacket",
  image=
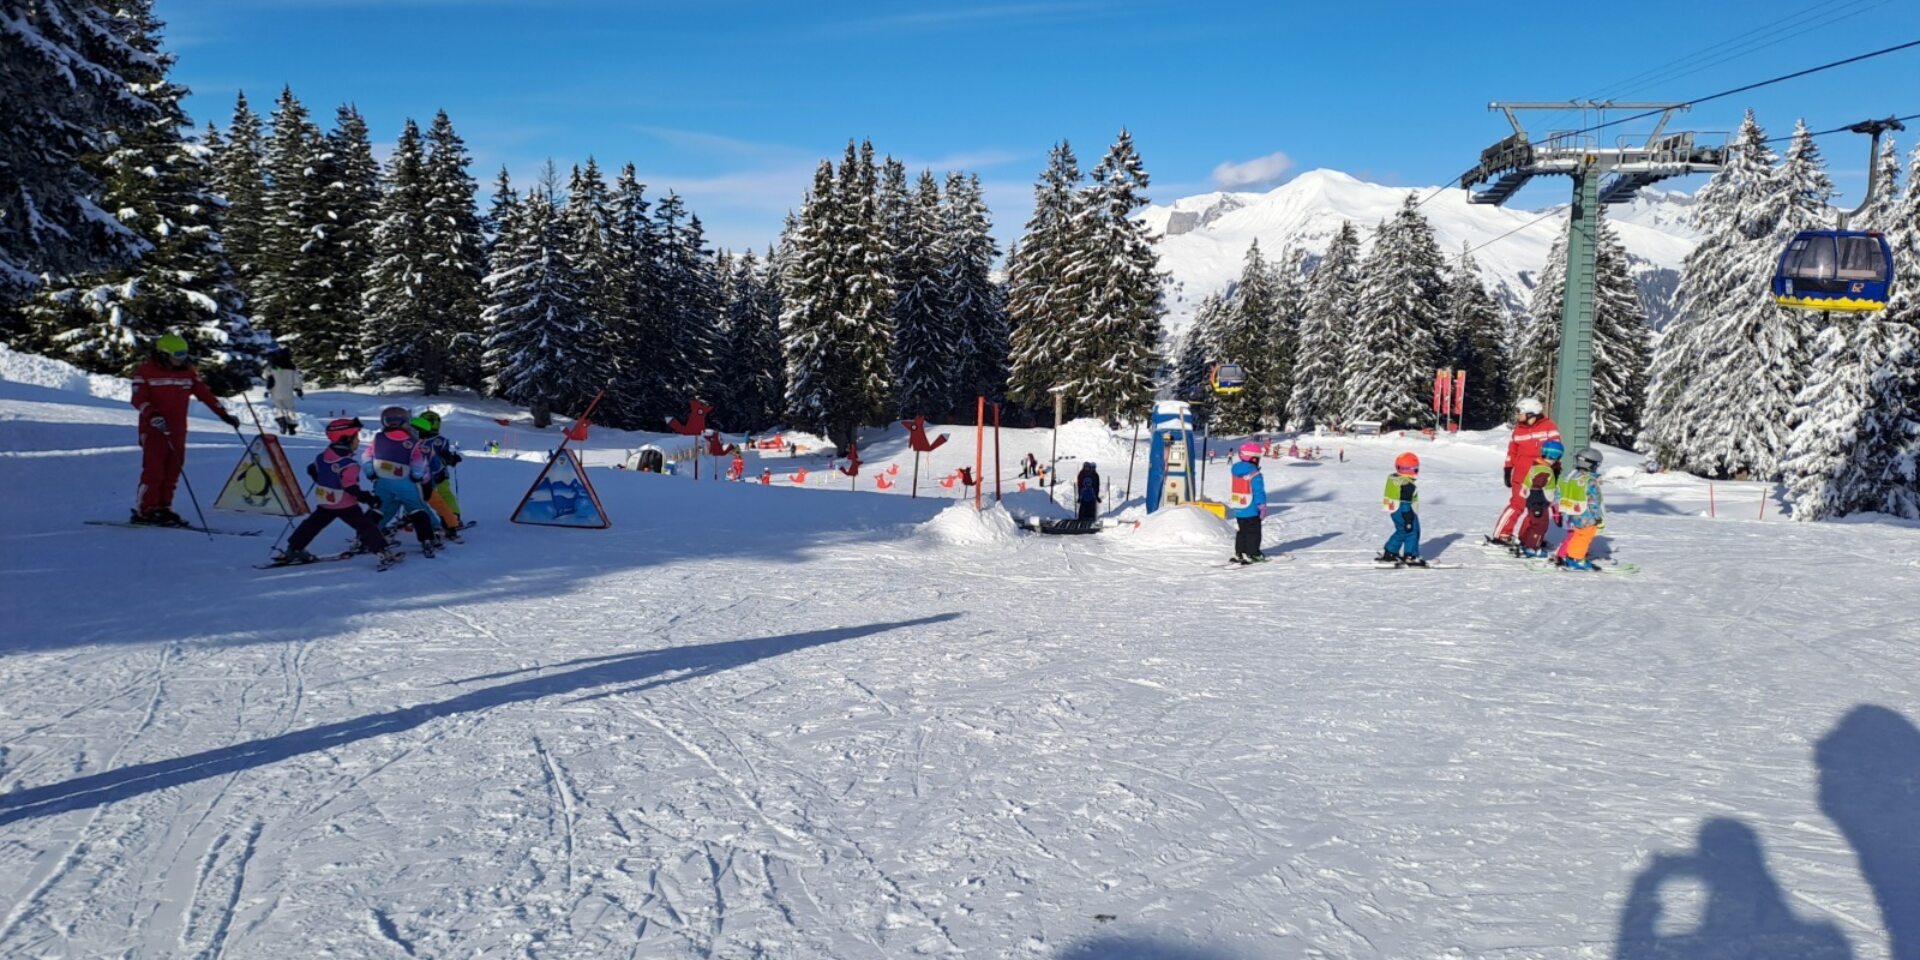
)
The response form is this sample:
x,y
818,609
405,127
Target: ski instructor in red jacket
x,y
1531,428
161,388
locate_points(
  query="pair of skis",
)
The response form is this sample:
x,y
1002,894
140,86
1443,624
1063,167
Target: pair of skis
x,y
172,526
385,563
1549,564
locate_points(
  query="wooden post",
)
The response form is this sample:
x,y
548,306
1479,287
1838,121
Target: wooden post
x,y
1710,512
916,475
979,450
1132,452
996,453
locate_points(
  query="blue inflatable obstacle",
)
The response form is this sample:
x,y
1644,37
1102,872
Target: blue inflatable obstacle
x,y
1843,270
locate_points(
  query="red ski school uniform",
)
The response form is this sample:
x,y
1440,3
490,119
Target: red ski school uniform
x,y
1522,451
161,391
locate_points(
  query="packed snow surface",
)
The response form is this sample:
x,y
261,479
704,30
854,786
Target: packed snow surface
x,y
816,720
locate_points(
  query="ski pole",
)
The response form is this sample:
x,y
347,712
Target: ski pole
x,y
189,484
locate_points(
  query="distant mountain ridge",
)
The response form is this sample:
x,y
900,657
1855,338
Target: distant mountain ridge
x,y
1205,237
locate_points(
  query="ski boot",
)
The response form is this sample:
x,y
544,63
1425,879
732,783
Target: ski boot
x,y
1411,560
1388,557
1507,542
451,534
388,558
288,558
427,548
1572,564
1240,559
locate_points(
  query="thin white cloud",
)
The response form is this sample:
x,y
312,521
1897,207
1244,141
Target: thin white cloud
x,y
949,17
1258,172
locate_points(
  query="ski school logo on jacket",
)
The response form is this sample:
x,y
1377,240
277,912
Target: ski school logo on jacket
x,y
1242,495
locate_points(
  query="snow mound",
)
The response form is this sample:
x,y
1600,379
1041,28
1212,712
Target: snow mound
x,y
1087,439
962,525
35,370
1182,527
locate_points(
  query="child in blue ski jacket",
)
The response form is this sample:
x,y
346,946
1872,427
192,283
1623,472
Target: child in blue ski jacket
x,y
1402,501
1248,504
399,465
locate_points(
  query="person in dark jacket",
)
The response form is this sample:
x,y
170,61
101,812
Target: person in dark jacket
x,y
1086,488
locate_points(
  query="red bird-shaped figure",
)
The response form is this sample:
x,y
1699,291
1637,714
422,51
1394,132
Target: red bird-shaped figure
x,y
917,436
798,477
714,447
852,467
893,470
696,419
882,482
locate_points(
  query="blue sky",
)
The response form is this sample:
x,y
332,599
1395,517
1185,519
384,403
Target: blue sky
x,y
733,102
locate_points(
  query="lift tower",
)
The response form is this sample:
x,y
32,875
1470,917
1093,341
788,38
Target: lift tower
x,y
1600,175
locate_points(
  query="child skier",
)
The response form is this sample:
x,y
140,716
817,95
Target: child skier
x,y
437,488
399,464
1580,505
1542,500
1248,502
336,489
1402,501
1087,490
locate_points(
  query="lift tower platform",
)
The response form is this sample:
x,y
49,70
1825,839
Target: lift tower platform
x,y
1601,175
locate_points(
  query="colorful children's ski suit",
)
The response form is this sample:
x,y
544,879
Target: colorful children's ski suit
x,y
1402,501
1585,515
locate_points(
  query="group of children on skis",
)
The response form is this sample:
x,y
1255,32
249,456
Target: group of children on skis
x,y
1540,495
412,485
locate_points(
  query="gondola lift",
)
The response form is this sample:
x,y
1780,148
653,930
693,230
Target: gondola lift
x,y
1228,379
1840,270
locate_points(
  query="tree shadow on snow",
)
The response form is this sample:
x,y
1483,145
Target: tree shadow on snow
x,y
643,669
1870,787
1138,948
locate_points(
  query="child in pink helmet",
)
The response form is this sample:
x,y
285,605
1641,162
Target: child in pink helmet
x,y
1248,504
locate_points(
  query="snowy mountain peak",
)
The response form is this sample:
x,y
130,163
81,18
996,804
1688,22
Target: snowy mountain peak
x,y
1205,237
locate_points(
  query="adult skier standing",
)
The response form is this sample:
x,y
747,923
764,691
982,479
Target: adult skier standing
x,y
1531,428
162,385
284,383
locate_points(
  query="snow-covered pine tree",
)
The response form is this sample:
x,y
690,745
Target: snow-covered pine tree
x,y
925,336
288,274
69,76
399,336
1474,340
160,186
1727,372
1246,334
1858,426
754,328
896,212
1622,340
1399,310
836,297
690,297
1042,306
342,250
975,304
456,252
1289,273
542,352
503,202
587,218
1112,356
238,176
1199,346
644,395
1319,386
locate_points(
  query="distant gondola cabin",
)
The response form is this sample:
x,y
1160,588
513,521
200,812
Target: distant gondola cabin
x,y
1229,378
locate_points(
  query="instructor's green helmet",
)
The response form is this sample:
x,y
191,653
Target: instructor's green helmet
x,y
424,425
173,345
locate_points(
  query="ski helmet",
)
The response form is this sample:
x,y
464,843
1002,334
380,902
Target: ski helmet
x,y
343,429
432,417
173,345
1250,451
422,424
1406,463
1588,458
1553,449
393,418
1530,406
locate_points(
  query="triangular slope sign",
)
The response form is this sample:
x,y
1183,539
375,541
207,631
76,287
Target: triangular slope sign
x,y
562,497
262,482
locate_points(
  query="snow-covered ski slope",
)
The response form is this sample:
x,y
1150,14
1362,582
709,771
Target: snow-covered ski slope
x,y
809,723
